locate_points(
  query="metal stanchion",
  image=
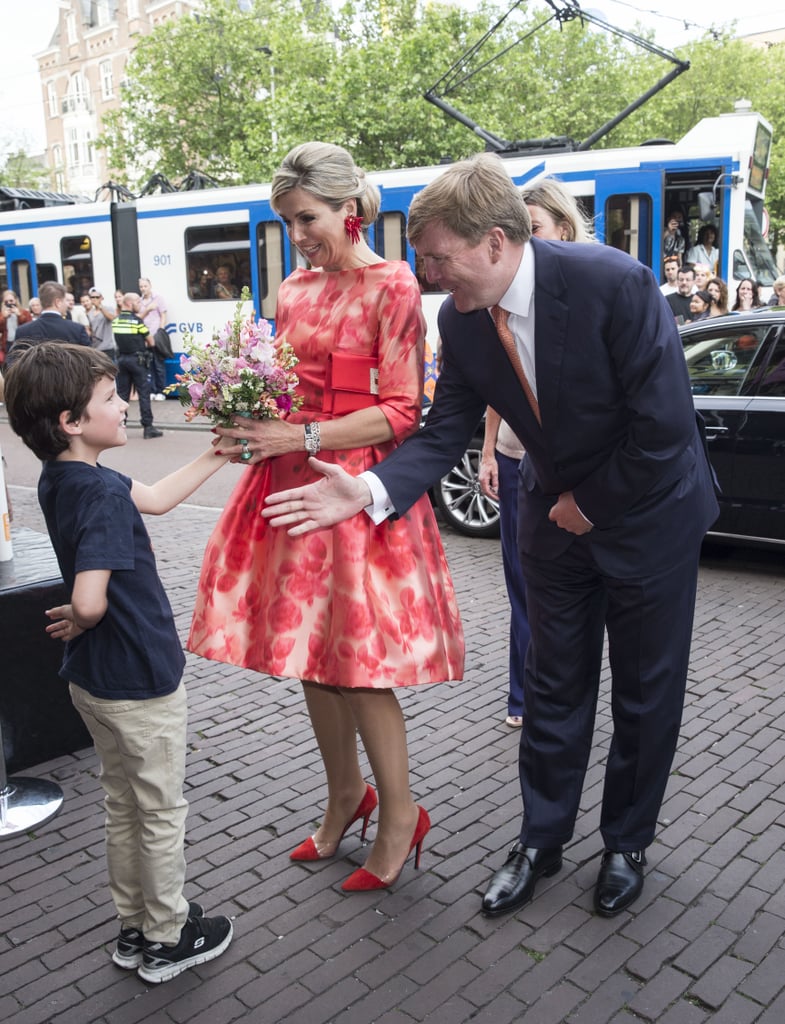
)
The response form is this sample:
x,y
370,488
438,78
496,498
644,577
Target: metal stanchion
x,y
24,802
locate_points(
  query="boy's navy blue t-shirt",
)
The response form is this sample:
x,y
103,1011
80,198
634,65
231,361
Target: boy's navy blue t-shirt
x,y
134,652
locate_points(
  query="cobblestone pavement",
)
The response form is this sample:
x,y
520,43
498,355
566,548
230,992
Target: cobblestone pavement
x,y
705,943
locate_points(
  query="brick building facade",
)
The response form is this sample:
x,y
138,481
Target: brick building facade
x,y
81,71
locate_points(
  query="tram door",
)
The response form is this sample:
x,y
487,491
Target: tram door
x,y
272,258
17,270
628,213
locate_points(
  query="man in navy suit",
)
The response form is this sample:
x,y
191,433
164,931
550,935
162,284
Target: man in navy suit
x,y
51,325
615,496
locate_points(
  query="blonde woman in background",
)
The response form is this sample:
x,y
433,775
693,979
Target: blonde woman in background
x,y
778,292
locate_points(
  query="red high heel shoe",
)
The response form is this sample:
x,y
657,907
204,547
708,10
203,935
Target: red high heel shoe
x,y
308,850
363,881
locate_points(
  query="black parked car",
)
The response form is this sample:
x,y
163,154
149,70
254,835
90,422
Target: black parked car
x,y
737,370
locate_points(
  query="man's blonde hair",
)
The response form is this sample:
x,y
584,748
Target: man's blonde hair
x,y
470,198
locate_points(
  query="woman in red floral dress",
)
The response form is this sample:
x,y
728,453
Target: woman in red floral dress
x,y
357,610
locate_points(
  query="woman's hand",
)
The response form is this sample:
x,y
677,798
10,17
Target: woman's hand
x,y
319,505
262,439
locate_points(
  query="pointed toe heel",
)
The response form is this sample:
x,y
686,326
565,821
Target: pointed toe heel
x,y
365,881
308,849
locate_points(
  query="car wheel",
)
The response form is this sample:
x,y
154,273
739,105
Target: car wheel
x,y
460,500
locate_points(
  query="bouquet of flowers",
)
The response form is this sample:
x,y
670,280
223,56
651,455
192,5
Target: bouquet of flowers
x,y
241,371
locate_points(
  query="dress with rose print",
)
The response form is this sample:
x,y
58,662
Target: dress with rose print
x,y
356,605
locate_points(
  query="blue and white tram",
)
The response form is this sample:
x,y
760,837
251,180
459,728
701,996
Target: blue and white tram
x,y
716,173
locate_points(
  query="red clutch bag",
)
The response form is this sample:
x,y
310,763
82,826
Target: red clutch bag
x,y
352,383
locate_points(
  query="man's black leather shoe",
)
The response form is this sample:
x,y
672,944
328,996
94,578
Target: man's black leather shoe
x,y
619,883
513,885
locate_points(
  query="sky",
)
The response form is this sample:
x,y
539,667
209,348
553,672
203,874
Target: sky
x,y
28,26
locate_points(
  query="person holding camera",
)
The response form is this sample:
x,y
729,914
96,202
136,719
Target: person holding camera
x,y
11,316
134,355
101,317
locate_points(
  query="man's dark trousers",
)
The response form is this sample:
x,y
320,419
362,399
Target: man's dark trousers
x,y
649,622
133,370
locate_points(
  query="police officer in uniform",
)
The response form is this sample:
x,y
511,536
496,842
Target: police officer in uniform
x,y
134,353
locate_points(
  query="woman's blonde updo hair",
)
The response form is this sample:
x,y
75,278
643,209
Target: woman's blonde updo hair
x,y
552,196
328,173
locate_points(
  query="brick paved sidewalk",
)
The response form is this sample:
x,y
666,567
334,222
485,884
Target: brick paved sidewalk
x,y
704,944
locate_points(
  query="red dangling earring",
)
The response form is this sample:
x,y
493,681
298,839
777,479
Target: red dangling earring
x,y
352,226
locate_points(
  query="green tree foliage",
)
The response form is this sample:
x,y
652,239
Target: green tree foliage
x,y
22,171
231,91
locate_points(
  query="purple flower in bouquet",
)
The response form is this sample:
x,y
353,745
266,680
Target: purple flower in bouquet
x,y
240,371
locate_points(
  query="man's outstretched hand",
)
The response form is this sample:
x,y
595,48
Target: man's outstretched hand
x,y
315,506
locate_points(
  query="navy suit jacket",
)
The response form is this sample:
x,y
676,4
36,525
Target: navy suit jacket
x,y
51,327
619,427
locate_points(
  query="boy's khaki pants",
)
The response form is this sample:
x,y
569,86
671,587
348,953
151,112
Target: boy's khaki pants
x,y
141,746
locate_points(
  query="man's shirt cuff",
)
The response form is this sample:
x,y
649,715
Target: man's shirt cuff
x,y
381,507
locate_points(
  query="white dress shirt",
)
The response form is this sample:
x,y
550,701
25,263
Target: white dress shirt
x,y
518,300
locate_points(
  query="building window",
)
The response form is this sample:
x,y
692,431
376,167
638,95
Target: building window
x,y
107,83
57,161
103,12
133,8
70,27
77,99
51,98
72,144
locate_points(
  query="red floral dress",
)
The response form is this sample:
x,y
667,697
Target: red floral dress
x,y
356,605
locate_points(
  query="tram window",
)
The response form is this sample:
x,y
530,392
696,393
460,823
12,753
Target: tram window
x,y
741,272
45,272
586,204
628,225
757,252
269,253
76,259
217,261
391,236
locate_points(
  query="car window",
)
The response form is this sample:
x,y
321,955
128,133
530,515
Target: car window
x,y
770,379
719,360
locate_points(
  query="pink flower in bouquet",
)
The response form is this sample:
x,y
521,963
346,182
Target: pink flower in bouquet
x,y
240,371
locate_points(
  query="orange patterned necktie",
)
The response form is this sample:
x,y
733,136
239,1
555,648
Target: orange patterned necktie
x,y
499,317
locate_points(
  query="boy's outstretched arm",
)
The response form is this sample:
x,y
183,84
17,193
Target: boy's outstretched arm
x,y
155,499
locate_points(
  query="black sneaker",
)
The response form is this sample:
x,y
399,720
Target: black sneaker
x,y
130,942
152,432
202,939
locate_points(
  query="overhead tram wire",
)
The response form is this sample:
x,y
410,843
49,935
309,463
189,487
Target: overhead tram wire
x,y
568,10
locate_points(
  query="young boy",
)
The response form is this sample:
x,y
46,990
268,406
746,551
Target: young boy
x,y
123,659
